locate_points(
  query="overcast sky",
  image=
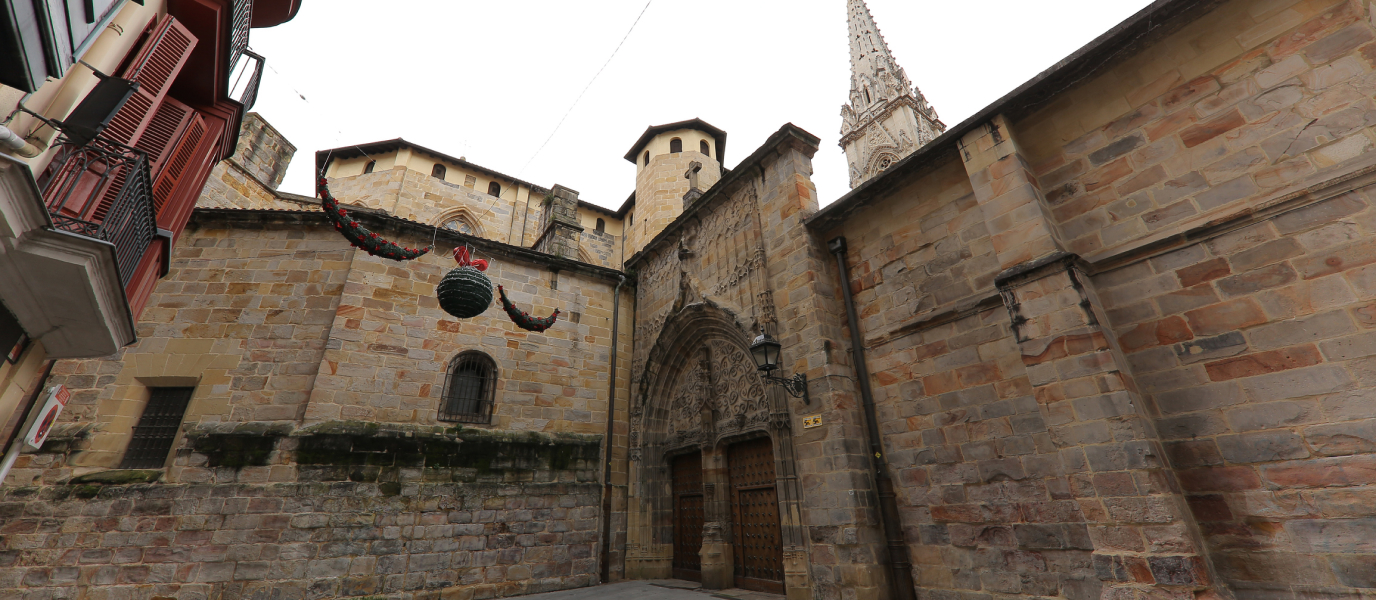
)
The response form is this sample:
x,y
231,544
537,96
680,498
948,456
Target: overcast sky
x,y
490,80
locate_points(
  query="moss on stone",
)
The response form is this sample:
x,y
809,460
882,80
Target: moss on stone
x,y
117,477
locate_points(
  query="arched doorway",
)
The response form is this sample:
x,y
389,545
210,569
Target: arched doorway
x,y
706,432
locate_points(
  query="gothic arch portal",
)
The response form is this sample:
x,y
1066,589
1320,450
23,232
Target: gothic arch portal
x,y
700,392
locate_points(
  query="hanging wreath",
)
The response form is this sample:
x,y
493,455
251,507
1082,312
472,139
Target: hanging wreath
x,y
359,236
523,320
465,291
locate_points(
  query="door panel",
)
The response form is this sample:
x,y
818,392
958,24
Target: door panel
x,y
756,540
688,516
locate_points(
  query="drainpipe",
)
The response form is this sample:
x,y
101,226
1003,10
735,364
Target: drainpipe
x,y
900,567
611,421
14,143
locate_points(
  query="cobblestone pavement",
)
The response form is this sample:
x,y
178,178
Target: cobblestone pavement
x,y
665,589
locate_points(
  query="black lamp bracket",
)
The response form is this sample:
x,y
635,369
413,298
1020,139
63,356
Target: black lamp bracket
x,y
796,385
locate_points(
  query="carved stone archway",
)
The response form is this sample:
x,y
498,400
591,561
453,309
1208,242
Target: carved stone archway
x,y
699,390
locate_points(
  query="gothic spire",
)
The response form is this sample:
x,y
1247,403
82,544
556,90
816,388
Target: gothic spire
x,y
885,117
869,54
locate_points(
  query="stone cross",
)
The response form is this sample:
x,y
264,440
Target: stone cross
x,y
692,174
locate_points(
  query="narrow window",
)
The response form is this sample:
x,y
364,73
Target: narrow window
x,y
368,168
438,171
675,145
157,428
867,96
601,226
702,146
469,389
647,158
494,190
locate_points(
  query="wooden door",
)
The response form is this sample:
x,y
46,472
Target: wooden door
x,y
688,516
758,551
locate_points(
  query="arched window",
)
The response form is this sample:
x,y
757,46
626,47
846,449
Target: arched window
x,y
675,145
368,168
647,158
702,146
438,171
460,225
493,189
601,226
469,389
867,95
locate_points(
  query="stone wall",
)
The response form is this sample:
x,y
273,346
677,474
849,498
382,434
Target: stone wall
x,y
1127,354
417,196
310,460
1250,100
526,522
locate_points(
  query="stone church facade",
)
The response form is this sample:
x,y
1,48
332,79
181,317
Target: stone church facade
x,y
1111,337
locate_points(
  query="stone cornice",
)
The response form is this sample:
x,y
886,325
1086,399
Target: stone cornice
x,y
394,227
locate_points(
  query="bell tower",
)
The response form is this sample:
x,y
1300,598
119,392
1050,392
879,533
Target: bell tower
x,y
887,117
674,164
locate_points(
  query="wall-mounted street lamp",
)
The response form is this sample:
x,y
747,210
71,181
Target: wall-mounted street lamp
x,y
765,351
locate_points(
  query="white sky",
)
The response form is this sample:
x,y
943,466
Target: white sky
x,y
489,80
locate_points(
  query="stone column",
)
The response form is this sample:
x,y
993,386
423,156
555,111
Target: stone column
x,y
1143,535
718,560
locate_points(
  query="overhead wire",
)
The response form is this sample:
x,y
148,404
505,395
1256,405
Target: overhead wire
x,y
585,88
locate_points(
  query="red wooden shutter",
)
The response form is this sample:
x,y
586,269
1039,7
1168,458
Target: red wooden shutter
x,y
163,131
155,67
178,161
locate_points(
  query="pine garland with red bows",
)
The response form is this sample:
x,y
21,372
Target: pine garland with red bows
x,y
523,320
358,235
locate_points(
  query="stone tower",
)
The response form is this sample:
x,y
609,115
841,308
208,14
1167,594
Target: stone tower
x,y
674,164
887,118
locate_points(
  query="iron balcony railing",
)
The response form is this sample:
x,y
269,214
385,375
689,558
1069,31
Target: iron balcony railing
x,y
103,190
241,18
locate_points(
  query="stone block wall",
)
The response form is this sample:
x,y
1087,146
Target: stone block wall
x,y
298,540
659,190
1255,348
1156,383
263,151
1250,101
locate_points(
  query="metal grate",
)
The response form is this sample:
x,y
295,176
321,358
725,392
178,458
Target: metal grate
x,y
157,429
469,389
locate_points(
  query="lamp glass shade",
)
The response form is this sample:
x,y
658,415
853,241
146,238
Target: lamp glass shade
x,y
765,351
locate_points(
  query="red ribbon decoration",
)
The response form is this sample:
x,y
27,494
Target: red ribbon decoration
x,y
461,256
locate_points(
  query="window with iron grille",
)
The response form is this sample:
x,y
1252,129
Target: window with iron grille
x,y
469,389
157,428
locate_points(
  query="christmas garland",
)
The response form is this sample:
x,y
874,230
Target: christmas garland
x,y
358,235
523,320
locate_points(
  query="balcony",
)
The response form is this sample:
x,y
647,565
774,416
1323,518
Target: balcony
x,y
245,79
69,245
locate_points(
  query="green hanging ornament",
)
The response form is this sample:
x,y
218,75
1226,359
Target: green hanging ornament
x,y
465,291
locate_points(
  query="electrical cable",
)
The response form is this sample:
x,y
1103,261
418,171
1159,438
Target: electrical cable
x,y
585,90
